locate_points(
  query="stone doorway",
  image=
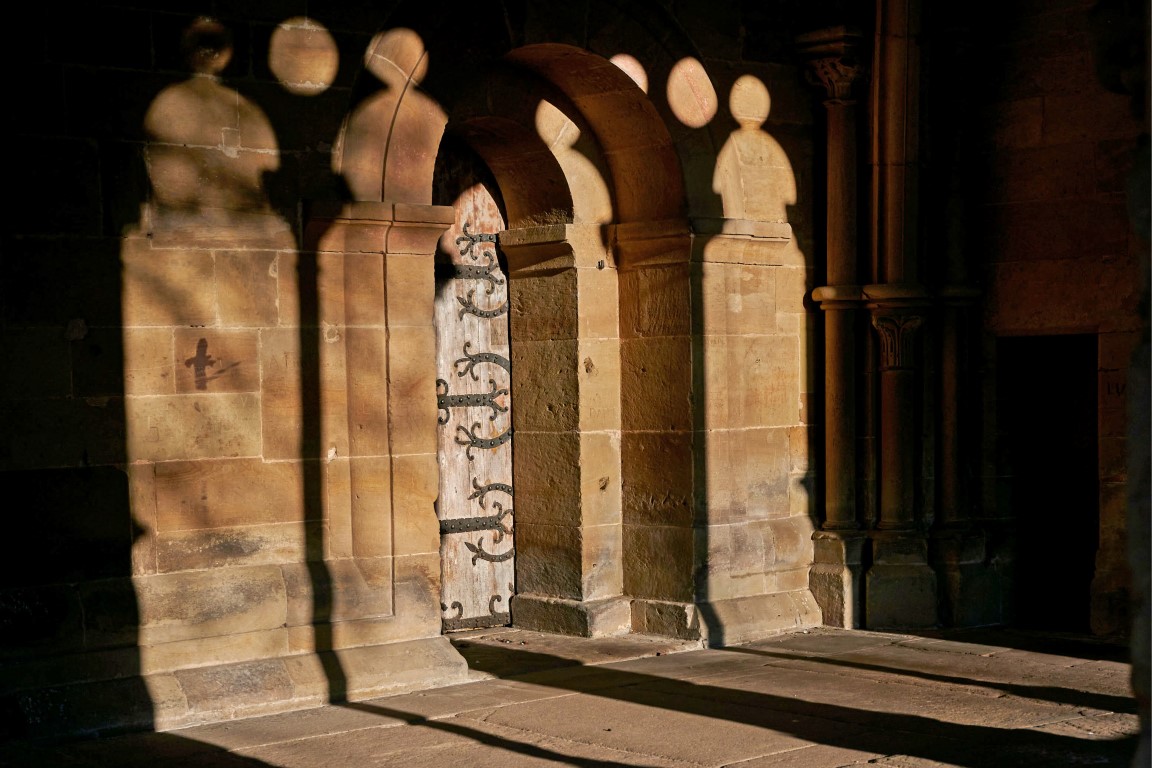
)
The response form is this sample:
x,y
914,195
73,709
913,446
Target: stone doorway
x,y
1048,419
474,436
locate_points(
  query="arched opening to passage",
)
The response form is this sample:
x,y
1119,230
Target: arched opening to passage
x,y
620,314
594,208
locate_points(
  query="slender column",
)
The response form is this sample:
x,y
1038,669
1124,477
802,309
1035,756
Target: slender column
x,y
897,389
896,146
834,66
838,548
897,297
900,587
953,508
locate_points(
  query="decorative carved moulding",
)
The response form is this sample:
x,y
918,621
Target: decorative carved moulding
x,y
833,60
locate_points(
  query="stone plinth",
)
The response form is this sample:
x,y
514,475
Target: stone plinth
x,y
835,577
900,585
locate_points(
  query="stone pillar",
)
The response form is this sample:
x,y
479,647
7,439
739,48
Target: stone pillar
x,y
835,574
566,376
658,389
368,601
900,586
750,387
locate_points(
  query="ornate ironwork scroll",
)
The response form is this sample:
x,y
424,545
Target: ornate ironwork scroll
x,y
493,523
459,621
479,552
467,241
477,272
471,360
468,437
484,490
469,307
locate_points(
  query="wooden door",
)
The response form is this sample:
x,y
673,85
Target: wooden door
x,y
475,422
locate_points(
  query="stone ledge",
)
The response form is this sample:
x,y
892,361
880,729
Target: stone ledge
x,y
761,230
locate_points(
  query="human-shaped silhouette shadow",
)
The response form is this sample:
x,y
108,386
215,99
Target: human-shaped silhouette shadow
x,y
388,148
209,147
753,176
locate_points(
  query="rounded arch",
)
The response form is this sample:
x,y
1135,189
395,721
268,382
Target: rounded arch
x,y
564,129
645,175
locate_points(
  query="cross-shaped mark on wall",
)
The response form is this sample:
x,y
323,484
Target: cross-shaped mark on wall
x,y
200,363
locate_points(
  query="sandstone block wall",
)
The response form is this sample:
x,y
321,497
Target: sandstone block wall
x,y
1052,218
218,402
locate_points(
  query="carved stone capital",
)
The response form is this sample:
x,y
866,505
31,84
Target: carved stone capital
x,y
837,75
833,61
897,338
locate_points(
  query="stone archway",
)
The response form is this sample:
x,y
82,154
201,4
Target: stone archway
x,y
588,228
636,486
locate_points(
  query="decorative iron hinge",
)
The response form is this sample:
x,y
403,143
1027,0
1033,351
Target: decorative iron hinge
x,y
477,272
444,401
488,523
479,553
484,490
467,241
459,621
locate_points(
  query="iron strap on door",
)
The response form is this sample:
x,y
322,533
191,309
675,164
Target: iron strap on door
x,y
473,406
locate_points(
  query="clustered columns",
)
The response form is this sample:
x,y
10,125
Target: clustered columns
x,y
900,586
871,564
835,575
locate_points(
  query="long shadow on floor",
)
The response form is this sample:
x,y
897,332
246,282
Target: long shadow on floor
x,y
135,750
977,746
1072,645
627,703
1054,694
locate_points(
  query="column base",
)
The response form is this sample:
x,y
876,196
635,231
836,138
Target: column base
x,y
971,587
834,577
900,587
582,618
667,619
1111,603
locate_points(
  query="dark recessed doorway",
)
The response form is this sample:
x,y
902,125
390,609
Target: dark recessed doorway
x,y
1047,412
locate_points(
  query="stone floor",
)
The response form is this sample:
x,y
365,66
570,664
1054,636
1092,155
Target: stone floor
x,y
813,699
